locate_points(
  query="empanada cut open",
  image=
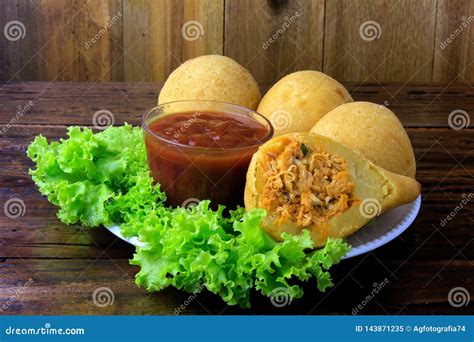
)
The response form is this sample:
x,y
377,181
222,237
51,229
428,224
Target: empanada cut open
x,y
307,181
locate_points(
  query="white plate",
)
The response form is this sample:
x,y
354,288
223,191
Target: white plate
x,y
383,229
380,231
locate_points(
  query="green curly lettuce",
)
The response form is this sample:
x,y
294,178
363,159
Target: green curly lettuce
x,y
96,179
229,257
102,178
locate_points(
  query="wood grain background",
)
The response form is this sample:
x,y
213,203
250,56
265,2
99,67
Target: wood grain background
x,y
142,40
68,263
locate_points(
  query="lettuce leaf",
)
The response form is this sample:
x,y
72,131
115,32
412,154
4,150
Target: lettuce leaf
x,y
199,246
96,179
102,178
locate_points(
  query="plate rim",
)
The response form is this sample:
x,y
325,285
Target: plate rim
x,y
396,231
379,241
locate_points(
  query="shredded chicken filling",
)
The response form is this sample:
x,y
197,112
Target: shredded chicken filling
x,y
306,185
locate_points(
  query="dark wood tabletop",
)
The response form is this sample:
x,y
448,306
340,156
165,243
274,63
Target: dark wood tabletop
x,y
47,267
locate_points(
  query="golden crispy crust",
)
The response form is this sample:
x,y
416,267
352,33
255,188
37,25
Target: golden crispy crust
x,y
372,183
404,189
373,130
212,77
250,192
297,101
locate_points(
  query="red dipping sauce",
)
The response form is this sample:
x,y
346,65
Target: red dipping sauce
x,y
204,153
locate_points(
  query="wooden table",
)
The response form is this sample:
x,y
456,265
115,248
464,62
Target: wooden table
x,y
47,267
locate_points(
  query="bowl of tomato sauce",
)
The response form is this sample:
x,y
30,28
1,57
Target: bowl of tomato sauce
x,y
201,150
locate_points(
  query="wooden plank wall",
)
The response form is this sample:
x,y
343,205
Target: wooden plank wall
x,y
144,40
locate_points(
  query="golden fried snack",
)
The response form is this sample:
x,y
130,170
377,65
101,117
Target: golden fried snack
x,y
307,181
211,77
373,130
297,101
